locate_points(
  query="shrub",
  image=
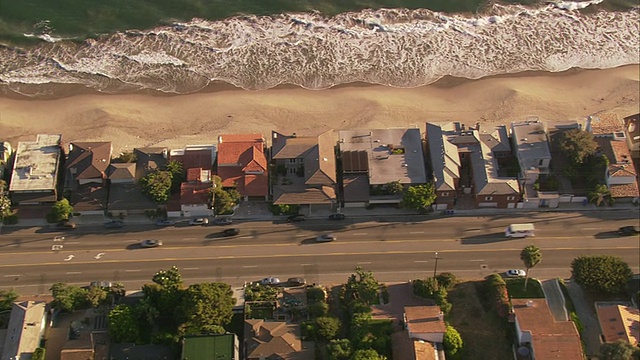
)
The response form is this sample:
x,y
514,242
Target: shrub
x,y
446,280
601,273
39,354
452,342
315,294
317,309
425,288
496,290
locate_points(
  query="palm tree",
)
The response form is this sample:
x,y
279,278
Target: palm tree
x,y
598,194
531,256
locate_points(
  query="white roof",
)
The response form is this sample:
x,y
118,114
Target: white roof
x,y
36,164
522,227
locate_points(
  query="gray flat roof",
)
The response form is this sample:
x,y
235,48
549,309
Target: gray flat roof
x,y
530,138
445,160
36,164
384,165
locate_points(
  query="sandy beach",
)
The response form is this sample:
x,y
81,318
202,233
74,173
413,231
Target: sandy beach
x,y
137,120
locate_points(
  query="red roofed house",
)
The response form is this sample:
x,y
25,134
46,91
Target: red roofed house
x,y
545,337
195,194
619,322
242,165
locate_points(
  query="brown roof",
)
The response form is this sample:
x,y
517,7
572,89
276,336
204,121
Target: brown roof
x,y
192,193
121,171
89,198
291,147
149,159
275,339
128,197
356,188
424,319
605,123
551,339
320,161
624,190
619,322
292,194
89,159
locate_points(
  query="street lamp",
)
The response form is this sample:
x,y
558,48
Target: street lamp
x,y
435,268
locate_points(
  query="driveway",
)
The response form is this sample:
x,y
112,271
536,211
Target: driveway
x,y
555,299
587,314
400,295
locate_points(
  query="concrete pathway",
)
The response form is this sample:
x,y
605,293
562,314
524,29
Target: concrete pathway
x,y
555,299
587,314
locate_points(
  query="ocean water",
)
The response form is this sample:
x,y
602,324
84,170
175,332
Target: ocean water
x,y
395,47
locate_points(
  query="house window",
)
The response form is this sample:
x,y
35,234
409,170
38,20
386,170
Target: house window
x,y
541,163
488,198
444,194
292,161
511,197
293,170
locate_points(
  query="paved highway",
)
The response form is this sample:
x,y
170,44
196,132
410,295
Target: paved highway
x,y
471,247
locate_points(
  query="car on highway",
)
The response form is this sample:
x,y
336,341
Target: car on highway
x,y
231,232
199,221
66,225
58,238
336,217
164,222
151,243
296,218
270,281
223,221
114,224
326,238
629,230
515,273
296,281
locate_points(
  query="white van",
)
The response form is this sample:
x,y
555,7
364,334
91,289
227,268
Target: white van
x,y
520,230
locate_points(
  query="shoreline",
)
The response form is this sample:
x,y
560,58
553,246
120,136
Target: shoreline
x,y
143,119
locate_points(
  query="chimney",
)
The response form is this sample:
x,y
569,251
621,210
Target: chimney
x,y
220,139
440,316
164,153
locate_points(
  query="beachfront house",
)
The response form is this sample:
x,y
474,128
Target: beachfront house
x,y
632,134
242,165
305,170
34,179
149,159
373,159
195,193
87,162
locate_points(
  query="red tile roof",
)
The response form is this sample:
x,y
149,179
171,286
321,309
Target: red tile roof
x,y
619,322
239,154
194,193
424,319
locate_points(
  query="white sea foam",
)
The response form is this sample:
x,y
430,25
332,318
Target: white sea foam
x,y
396,47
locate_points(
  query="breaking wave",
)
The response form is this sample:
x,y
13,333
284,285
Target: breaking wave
x,y
396,47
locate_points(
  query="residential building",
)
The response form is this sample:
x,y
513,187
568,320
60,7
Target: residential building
x,y
305,169
25,331
89,200
275,340
5,157
125,199
540,335
371,159
34,178
121,173
195,156
619,322
605,124
149,159
425,323
195,193
621,176
79,348
87,162
632,134
531,147
242,165
445,166
211,347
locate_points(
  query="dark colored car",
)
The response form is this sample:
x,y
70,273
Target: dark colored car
x,y
66,225
231,232
296,218
114,224
296,281
336,217
164,222
223,221
629,230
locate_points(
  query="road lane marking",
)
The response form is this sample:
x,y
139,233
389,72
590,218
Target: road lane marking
x,y
100,255
132,270
12,275
479,260
359,234
69,258
364,262
420,261
416,232
189,238
73,272
301,235
72,242
306,264
249,266
190,268
246,237
131,241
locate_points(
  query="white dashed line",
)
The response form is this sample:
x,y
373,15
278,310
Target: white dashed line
x,y
416,232
72,242
132,270
249,266
73,272
190,268
420,261
11,275
359,234
364,262
479,260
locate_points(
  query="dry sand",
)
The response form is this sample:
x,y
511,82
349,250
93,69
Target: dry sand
x,y
138,120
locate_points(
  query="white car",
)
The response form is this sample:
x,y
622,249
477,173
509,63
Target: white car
x,y
270,281
516,273
199,221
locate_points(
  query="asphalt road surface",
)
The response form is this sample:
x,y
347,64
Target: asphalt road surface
x,y
471,247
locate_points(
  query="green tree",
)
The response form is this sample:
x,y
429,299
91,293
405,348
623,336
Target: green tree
x,y
125,157
394,187
601,273
123,324
39,354
339,349
598,194
328,327
452,342
61,210
96,295
224,201
447,280
168,279
67,297
157,185
577,145
7,298
317,309
419,197
368,354
177,173
619,350
530,256
5,205
207,307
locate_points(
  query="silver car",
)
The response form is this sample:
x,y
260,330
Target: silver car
x,y
326,238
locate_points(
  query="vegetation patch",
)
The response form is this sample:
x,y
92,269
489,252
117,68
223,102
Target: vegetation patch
x,y
516,290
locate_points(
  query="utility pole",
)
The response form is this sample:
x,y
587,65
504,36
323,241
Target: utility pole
x,y
435,268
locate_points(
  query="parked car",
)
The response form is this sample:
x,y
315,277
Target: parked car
x,y
199,221
270,281
515,273
151,243
230,232
66,225
326,238
164,222
102,284
113,224
223,221
296,281
296,218
336,217
629,230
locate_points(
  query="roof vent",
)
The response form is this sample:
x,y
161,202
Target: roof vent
x,y
529,303
325,159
